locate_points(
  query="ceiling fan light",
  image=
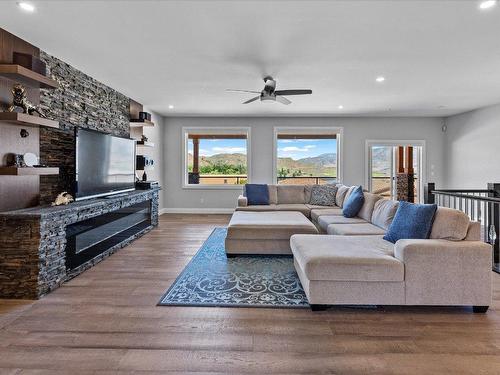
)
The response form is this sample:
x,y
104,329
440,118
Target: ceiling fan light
x,y
268,98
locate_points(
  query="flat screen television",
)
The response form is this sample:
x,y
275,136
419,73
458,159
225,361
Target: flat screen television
x,y
105,164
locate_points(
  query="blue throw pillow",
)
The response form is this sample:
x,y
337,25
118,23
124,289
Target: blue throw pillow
x,y
354,203
412,221
257,194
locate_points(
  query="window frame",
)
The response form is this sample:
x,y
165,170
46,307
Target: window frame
x,y
246,130
307,130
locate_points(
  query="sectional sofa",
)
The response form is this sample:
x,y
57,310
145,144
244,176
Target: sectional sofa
x,y
347,261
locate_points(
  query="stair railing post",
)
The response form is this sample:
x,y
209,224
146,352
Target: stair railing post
x,y
428,196
494,191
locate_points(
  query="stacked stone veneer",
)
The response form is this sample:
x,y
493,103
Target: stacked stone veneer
x,y
33,243
405,187
80,101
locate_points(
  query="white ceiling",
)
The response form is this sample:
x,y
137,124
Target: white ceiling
x,y
438,57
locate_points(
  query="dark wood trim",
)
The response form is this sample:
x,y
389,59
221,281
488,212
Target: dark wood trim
x,y
27,77
24,119
28,171
400,167
217,136
140,124
196,155
409,160
307,136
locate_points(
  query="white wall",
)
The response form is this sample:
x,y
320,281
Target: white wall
x,y
155,135
356,131
472,142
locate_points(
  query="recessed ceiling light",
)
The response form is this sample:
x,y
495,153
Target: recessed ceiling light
x,y
380,79
26,6
487,4
170,106
341,106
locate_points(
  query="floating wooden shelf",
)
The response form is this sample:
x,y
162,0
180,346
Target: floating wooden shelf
x,y
28,171
145,144
26,77
28,120
139,124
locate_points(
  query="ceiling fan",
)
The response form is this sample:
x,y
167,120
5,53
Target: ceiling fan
x,y
269,93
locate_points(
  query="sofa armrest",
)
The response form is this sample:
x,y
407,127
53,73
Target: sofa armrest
x,y
442,272
242,201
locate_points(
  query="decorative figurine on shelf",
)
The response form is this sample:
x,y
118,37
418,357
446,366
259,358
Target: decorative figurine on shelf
x,y
16,160
63,199
144,139
20,100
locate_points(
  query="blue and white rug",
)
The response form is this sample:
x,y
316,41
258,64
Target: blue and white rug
x,y
211,279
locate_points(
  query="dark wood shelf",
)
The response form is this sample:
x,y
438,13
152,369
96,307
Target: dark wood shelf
x,y
26,77
28,171
16,118
139,124
145,144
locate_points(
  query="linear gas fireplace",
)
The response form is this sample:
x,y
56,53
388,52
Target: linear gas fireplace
x,y
89,238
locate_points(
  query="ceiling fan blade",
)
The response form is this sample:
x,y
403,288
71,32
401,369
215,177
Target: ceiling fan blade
x,y
252,100
293,92
235,90
283,100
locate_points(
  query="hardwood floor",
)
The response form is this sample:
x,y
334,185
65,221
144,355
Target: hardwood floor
x,y
106,322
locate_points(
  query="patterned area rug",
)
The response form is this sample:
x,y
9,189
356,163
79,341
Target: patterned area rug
x,y
211,279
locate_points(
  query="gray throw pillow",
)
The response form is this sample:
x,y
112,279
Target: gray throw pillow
x,y
323,195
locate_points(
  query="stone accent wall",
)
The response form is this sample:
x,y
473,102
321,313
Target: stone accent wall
x,y
80,101
33,243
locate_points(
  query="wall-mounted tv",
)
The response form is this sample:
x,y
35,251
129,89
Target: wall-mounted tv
x,y
105,164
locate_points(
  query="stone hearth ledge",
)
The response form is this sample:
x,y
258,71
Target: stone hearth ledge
x,y
33,242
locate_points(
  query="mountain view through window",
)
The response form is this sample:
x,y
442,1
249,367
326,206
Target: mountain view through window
x,y
307,160
221,161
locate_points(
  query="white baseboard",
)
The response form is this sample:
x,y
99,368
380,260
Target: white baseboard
x,y
196,211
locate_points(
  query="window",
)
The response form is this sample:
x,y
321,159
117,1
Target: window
x,y
216,158
307,155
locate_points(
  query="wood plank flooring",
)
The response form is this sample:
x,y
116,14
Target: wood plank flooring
x,y
106,322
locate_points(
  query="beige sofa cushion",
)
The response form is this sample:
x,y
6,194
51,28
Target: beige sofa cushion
x,y
474,231
340,196
268,225
383,213
367,208
317,212
346,258
449,224
307,193
302,208
360,229
317,207
325,220
291,194
273,194
257,208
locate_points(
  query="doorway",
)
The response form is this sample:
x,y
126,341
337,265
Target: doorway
x,y
395,169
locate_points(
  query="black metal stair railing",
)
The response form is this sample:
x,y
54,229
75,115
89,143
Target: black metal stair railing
x,y
482,205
